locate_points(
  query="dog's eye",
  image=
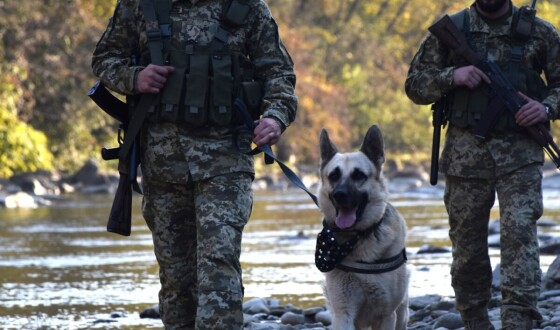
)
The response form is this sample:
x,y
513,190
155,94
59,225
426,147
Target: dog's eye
x,y
334,176
358,175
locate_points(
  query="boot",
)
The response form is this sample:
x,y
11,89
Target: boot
x,y
478,324
516,321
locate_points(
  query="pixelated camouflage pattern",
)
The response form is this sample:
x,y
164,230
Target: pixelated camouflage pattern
x,y
508,164
197,22
208,151
430,77
198,251
197,181
468,203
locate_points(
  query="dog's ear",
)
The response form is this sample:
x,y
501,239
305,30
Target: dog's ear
x,y
328,150
372,146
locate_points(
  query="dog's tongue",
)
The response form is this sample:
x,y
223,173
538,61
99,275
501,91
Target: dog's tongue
x,y
346,218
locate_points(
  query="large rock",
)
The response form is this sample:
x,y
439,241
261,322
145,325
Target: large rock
x,y
551,280
90,179
40,183
18,200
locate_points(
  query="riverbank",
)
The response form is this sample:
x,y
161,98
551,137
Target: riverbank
x,y
426,312
77,273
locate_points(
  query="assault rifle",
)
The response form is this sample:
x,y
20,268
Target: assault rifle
x,y
121,210
452,37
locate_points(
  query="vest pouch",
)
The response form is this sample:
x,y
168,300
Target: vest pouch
x,y
477,105
221,91
196,104
458,110
252,95
171,96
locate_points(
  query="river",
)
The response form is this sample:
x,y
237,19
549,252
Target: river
x,y
59,269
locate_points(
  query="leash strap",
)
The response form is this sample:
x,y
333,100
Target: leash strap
x,y
269,156
265,148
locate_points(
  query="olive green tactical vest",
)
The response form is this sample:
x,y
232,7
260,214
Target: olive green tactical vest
x,y
466,106
207,78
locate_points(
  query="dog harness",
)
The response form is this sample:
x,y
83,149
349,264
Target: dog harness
x,y
329,254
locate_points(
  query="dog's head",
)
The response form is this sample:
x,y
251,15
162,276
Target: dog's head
x,y
352,191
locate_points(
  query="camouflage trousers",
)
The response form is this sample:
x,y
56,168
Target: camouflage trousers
x,y
196,230
468,203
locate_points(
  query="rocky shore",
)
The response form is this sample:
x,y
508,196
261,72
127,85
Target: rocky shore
x,y
428,312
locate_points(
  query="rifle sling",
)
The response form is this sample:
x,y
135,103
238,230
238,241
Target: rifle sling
x,y
134,126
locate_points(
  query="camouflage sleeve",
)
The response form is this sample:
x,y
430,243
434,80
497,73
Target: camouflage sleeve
x,y
429,79
273,66
552,67
112,54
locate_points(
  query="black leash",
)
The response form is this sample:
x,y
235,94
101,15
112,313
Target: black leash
x,y
269,156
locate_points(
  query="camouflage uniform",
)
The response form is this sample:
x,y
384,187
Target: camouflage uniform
x,y
509,164
197,184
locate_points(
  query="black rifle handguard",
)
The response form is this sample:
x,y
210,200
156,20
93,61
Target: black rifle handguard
x,y
438,120
108,102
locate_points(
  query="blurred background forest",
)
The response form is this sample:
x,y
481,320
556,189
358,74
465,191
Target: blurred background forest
x,y
351,59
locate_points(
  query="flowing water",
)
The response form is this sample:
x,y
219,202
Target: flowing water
x,y
59,269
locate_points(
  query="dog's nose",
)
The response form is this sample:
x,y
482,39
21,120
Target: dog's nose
x,y
341,196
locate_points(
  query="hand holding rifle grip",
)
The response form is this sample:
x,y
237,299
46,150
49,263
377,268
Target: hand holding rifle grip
x,y
450,35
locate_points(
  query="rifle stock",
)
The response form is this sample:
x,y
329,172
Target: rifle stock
x,y
450,35
120,217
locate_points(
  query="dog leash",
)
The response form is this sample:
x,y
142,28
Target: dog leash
x,y
269,156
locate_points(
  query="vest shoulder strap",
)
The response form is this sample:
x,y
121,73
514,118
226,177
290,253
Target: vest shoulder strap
x,y
522,24
158,27
234,15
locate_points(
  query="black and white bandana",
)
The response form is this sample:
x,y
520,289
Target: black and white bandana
x,y
328,253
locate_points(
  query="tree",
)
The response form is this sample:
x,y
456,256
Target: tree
x,y
22,148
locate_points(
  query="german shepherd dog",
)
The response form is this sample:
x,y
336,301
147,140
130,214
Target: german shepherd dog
x,y
362,245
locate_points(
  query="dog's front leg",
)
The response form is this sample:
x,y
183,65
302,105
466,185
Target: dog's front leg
x,y
388,322
343,321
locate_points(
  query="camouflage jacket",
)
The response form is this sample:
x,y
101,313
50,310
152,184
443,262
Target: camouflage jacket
x,y
430,78
171,152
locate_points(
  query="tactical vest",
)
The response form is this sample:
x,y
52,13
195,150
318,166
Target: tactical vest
x,y
207,78
466,106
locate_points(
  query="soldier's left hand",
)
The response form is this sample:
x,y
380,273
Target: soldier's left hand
x,y
531,113
267,131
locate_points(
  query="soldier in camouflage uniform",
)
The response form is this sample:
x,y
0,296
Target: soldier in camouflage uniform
x,y
507,163
196,177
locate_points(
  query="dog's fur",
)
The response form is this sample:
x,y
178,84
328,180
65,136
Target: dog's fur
x,y
353,189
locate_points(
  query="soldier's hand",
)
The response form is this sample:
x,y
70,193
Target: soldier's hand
x,y
152,78
531,113
469,76
267,131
